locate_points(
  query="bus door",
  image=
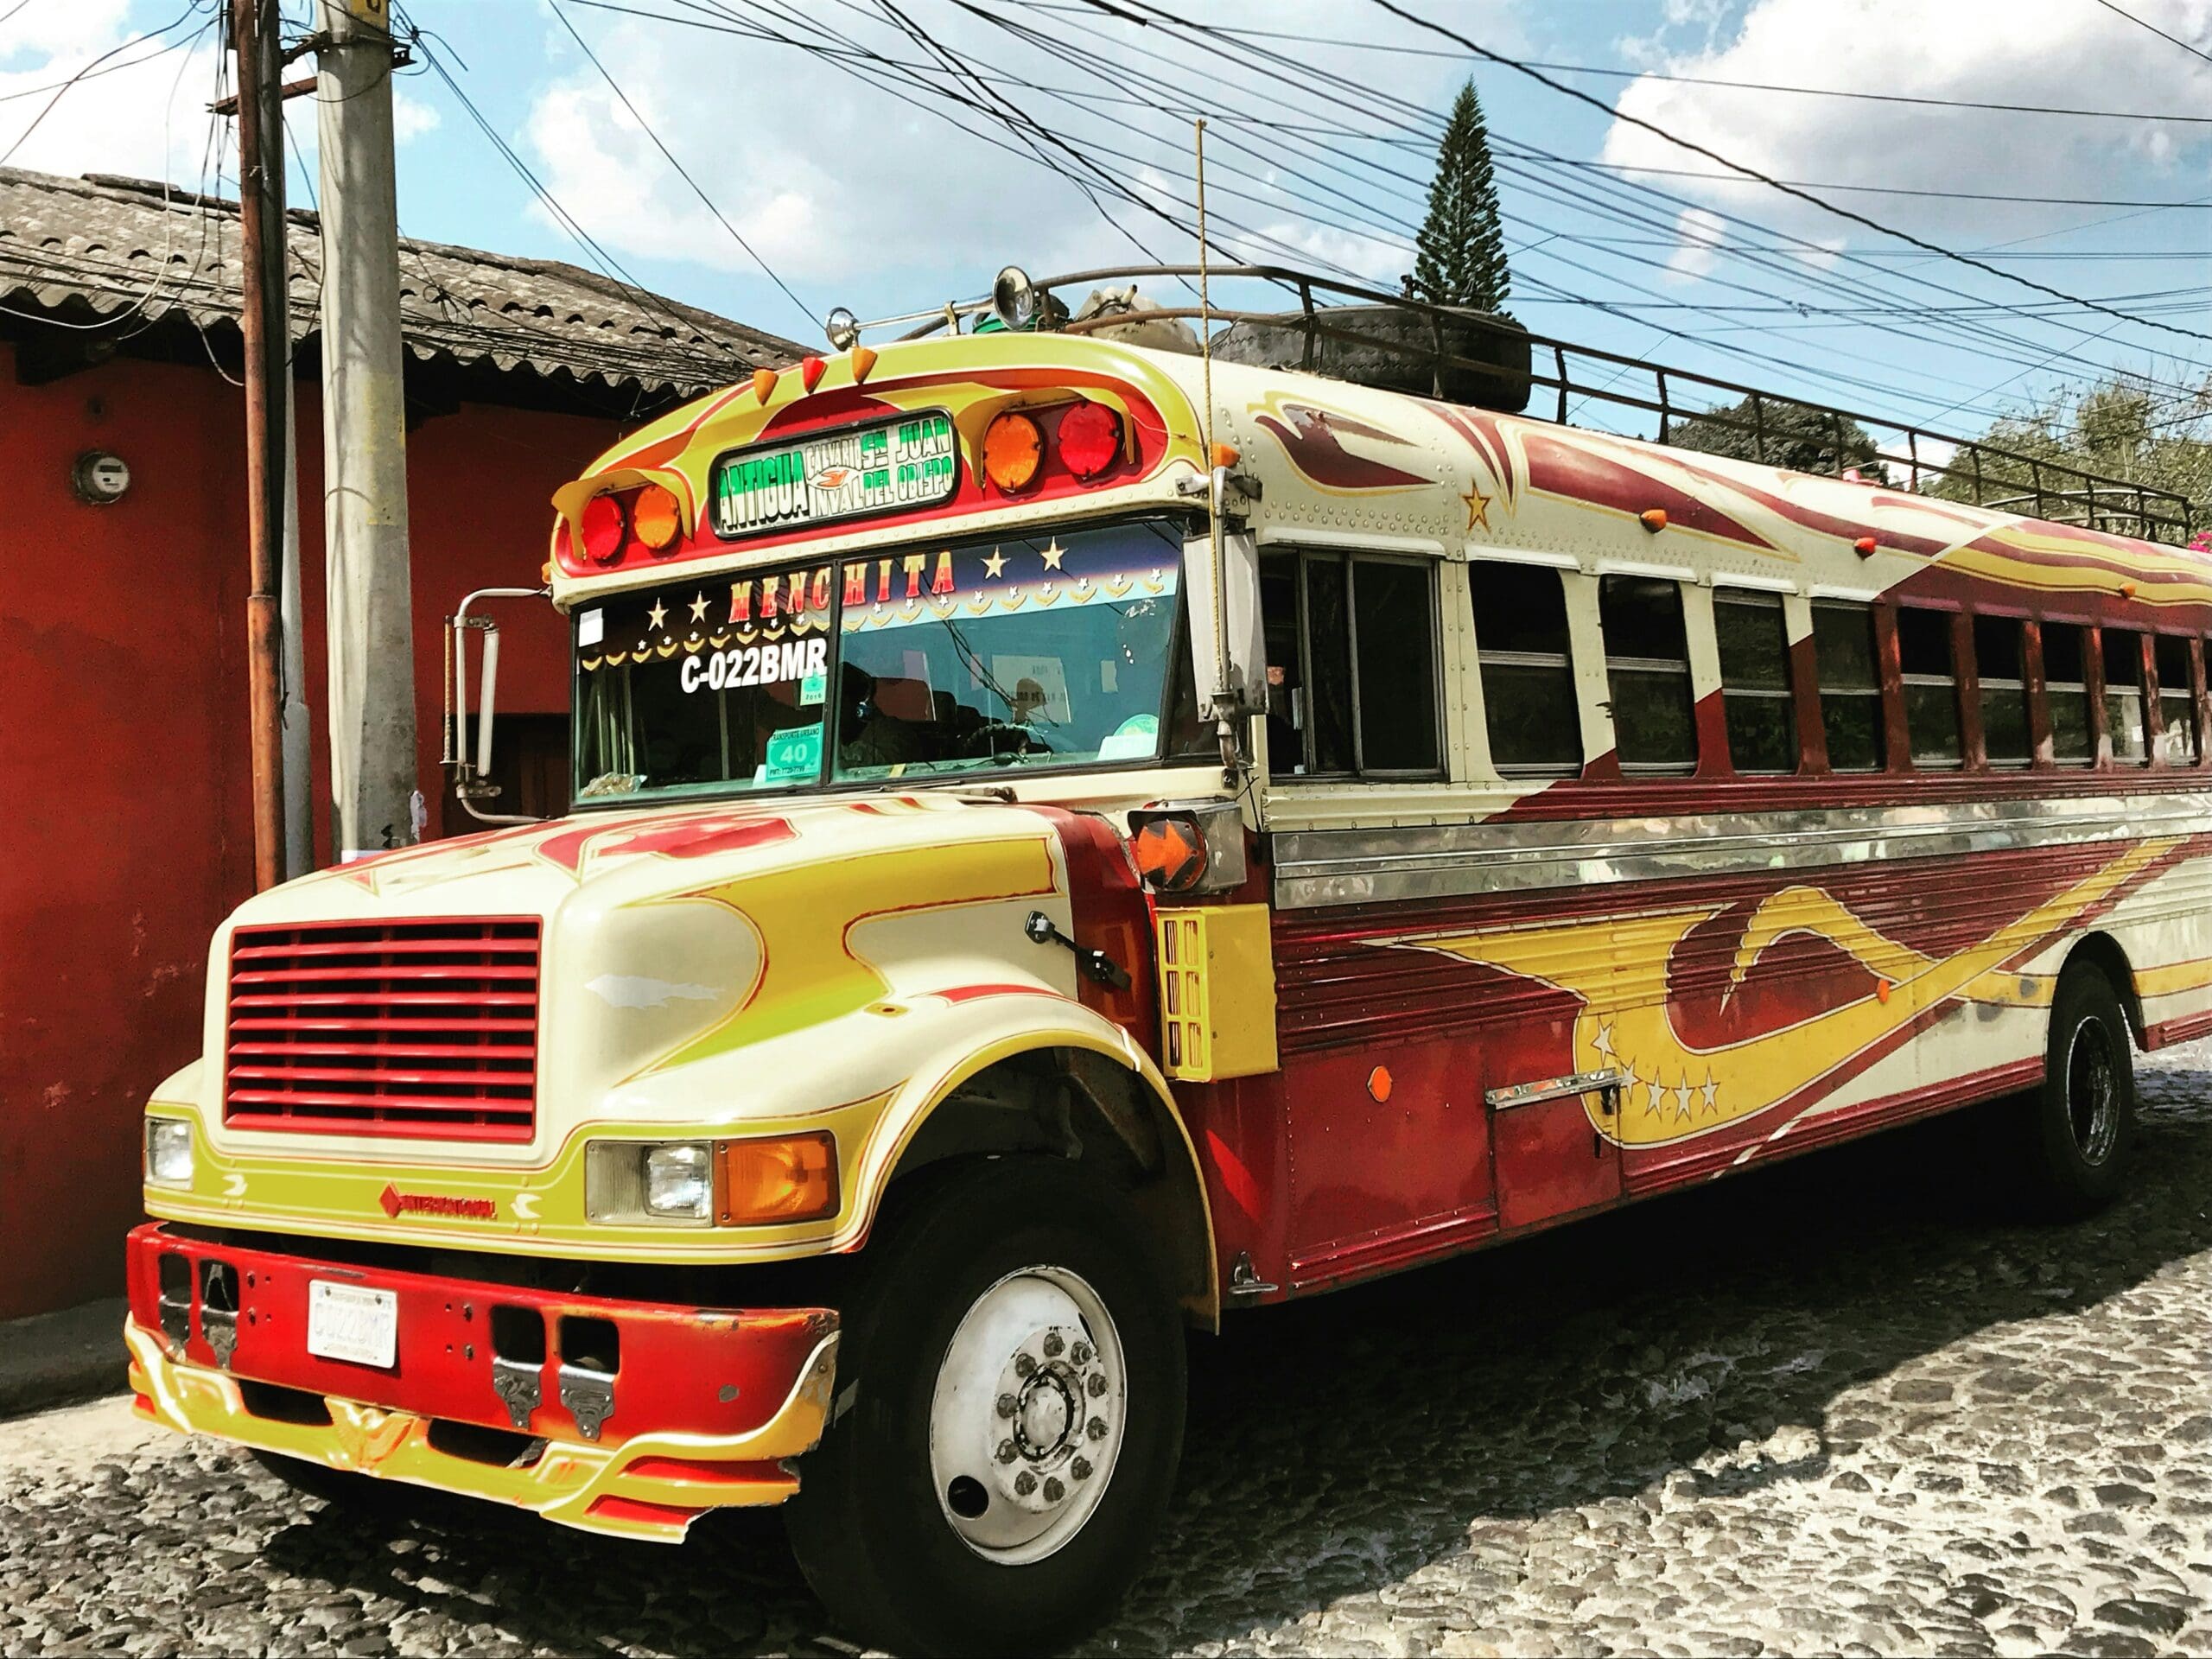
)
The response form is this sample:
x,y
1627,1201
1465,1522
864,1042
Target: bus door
x,y
1554,1145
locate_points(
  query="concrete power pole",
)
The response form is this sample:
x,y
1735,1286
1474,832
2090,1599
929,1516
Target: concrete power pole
x,y
371,626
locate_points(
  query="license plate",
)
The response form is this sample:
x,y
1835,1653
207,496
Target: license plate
x,y
352,1323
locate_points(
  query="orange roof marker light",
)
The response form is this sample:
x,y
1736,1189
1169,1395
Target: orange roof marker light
x,y
1224,454
810,372
863,363
764,384
1013,450
1865,545
656,520
1653,519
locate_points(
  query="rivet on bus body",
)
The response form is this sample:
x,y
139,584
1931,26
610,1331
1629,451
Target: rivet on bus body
x,y
1653,519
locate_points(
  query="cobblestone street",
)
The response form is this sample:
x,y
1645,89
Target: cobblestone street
x,y
1849,1405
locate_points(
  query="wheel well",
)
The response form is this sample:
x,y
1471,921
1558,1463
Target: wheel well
x,y
2102,952
1082,1106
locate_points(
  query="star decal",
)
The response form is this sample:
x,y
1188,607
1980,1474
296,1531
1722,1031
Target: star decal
x,y
658,615
1054,554
1604,1041
699,608
1710,1090
995,566
1478,509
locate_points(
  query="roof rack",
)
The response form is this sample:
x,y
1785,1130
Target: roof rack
x,y
1778,427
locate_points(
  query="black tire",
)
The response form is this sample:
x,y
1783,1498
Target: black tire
x,y
2081,1120
870,1532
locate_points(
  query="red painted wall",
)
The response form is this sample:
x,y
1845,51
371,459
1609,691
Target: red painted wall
x,y
123,748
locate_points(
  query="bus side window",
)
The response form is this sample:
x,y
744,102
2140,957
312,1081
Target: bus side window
x,y
2001,662
1754,682
1851,686
2066,685
1648,673
1528,669
2124,696
2178,736
1931,686
1356,639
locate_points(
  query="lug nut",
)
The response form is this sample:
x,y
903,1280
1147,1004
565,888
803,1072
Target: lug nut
x,y
1054,1491
1006,1405
1053,1345
1080,1468
1024,1484
1024,1365
1080,1353
1096,1428
1097,1385
1007,1453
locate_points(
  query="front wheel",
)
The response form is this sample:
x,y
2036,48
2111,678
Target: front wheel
x,y
1008,1415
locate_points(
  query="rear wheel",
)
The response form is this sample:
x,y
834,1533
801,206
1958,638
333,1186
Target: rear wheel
x,y
2083,1123
1009,1413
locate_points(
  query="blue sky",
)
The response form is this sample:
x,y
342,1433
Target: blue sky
x,y
888,198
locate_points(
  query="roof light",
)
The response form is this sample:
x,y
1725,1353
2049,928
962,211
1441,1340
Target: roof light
x,y
599,530
1013,451
810,372
656,520
1653,519
764,384
1090,439
863,363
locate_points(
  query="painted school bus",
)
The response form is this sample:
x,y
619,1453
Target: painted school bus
x,y
1054,863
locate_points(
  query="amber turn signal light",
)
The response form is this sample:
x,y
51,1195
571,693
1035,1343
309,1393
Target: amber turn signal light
x,y
1013,451
656,520
1170,852
778,1178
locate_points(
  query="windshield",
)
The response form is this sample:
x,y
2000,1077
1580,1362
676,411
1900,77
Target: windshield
x,y
1002,653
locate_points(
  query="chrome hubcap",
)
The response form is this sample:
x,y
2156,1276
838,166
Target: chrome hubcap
x,y
2093,1092
1027,1416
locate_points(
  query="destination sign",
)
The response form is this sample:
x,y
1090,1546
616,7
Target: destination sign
x,y
887,465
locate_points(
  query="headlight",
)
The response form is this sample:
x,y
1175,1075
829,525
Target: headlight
x,y
169,1152
649,1181
677,1182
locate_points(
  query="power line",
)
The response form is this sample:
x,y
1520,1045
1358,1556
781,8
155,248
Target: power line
x,y
1802,194
1895,190
2139,22
682,171
88,72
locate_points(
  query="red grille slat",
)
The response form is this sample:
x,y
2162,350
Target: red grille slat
x,y
412,1028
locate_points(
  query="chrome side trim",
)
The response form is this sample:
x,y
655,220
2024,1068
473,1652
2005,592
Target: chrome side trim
x,y
1578,1083
1354,866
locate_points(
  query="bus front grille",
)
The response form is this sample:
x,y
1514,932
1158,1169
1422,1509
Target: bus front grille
x,y
422,1028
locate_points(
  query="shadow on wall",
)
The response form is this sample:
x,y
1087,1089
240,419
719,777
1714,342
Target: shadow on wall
x,y
1338,1446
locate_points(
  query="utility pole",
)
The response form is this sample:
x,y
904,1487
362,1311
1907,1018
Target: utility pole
x,y
262,318
371,628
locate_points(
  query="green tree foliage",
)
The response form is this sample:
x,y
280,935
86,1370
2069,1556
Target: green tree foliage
x,y
2120,428
1796,435
1460,255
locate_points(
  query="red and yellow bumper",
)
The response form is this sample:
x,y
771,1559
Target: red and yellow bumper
x,y
622,1417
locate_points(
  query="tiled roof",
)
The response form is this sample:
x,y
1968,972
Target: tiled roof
x,y
107,248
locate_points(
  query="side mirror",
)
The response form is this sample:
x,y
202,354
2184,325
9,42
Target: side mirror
x,y
1230,659
472,777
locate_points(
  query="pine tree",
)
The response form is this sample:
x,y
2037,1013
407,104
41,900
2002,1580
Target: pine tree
x,y
1461,251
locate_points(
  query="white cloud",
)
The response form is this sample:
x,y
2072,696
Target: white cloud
x,y
411,117
142,112
1703,234
2049,51
852,193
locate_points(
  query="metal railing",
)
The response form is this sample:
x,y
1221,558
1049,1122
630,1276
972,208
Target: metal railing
x,y
1779,427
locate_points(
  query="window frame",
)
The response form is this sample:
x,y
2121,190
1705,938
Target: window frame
x,y
1484,657
2086,688
1759,599
1984,685
2192,755
2139,690
1350,558
1956,680
1876,690
1638,770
